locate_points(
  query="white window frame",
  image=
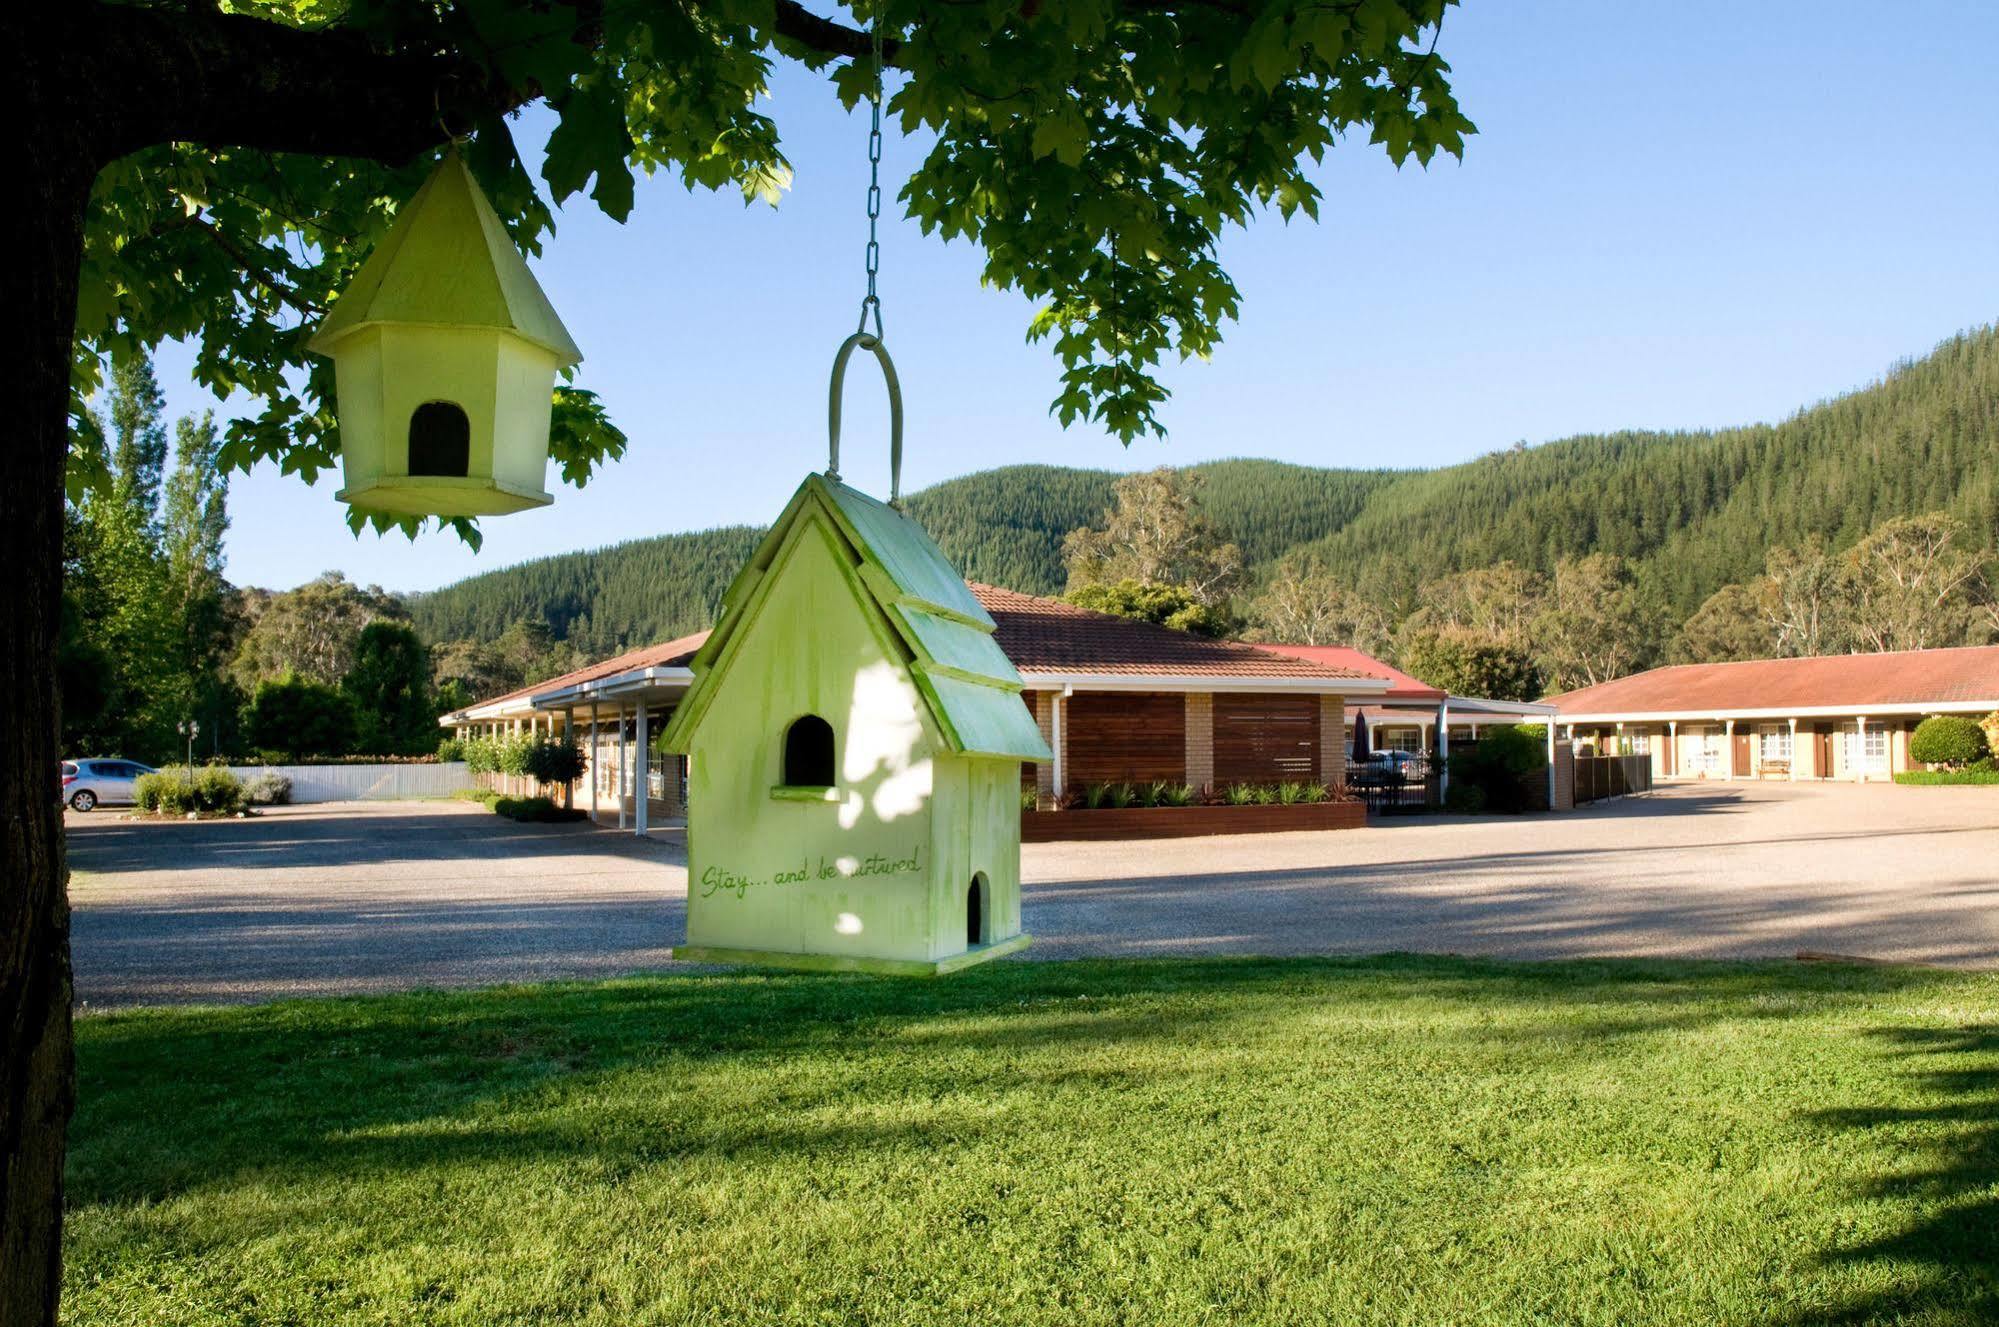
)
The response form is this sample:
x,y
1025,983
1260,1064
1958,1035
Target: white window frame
x,y
1773,742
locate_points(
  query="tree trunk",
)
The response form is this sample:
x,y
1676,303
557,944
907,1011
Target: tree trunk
x,y
42,236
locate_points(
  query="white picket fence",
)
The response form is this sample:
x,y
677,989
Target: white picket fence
x,y
352,783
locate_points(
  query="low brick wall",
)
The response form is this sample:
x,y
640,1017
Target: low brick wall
x,y
1182,822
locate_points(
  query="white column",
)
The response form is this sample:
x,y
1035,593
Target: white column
x,y
1059,707
1793,775
1551,762
1443,749
643,775
618,790
1860,748
1728,749
596,769
1673,747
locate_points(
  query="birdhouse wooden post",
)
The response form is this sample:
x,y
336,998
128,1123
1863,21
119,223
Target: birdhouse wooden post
x,y
854,738
445,352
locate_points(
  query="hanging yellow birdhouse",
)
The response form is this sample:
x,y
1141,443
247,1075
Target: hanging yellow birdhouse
x,y
445,352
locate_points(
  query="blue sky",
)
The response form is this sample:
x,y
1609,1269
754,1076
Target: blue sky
x,y
1675,214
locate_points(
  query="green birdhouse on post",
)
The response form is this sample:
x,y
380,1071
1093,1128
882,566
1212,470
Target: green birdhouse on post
x,y
445,352
854,736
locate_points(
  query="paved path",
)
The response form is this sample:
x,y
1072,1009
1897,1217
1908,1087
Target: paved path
x,y
372,896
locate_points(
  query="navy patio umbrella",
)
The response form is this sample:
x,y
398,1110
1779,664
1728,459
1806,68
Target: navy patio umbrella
x,y
1360,747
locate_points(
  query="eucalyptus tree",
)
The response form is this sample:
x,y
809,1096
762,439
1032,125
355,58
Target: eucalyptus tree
x,y
215,169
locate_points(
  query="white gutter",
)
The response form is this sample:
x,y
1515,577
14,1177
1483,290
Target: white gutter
x,y
1783,712
1052,681
616,684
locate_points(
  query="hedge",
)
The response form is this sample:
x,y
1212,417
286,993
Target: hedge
x,y
1947,739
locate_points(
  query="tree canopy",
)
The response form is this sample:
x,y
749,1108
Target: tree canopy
x,y
1095,151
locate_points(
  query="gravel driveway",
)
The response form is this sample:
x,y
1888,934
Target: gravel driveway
x,y
383,896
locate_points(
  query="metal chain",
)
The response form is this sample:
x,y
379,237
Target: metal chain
x,y
872,301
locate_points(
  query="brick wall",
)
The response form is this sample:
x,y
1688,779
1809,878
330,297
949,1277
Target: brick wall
x,y
1044,773
1200,739
1565,776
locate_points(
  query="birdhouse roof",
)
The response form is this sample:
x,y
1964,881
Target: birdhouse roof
x,y
946,636
448,262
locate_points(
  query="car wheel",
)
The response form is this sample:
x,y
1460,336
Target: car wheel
x,y
84,801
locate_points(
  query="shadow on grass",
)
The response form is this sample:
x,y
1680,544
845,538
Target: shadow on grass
x,y
1945,1267
177,1100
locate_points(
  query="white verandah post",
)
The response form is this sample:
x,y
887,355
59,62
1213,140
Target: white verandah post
x,y
1792,774
1728,750
643,778
596,768
1443,745
619,790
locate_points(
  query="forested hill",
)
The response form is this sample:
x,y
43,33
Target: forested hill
x,y
1695,511
1004,526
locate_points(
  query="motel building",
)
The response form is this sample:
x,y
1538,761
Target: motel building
x,y
1839,717
1118,701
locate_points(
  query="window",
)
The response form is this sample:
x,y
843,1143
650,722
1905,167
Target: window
x,y
808,753
1868,756
1774,742
1400,739
1638,743
440,440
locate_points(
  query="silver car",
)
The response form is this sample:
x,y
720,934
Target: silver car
x,y
90,783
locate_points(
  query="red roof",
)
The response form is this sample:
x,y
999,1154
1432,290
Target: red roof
x,y
667,654
1401,685
1045,636
1049,636
1904,678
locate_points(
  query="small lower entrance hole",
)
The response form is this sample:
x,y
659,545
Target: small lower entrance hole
x,y
975,912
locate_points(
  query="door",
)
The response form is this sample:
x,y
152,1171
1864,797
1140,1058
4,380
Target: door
x,y
1739,758
1822,751
115,780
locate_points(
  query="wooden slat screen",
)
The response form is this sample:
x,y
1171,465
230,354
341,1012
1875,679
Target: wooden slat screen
x,y
1125,737
1266,739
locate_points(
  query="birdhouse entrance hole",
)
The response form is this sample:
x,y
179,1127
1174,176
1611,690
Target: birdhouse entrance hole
x,y
975,911
440,440
808,753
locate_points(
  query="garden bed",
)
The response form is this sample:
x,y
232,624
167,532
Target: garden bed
x,y
1182,822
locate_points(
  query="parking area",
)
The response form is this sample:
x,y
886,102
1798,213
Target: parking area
x,y
361,897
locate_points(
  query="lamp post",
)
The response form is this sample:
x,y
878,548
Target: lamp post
x,y
189,729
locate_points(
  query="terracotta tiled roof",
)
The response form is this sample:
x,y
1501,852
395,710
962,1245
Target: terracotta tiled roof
x,y
667,654
1049,636
1401,685
1046,636
1901,678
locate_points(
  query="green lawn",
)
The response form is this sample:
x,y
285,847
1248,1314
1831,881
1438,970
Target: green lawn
x,y
1422,1141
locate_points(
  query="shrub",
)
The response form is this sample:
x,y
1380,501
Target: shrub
x,y
533,809
1300,794
1176,794
1121,795
218,792
1947,739
214,791
166,794
293,717
451,749
1990,726
1465,798
1978,772
1030,798
1501,766
269,788
551,760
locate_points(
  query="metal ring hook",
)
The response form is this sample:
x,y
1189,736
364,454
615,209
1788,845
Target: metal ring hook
x,y
867,341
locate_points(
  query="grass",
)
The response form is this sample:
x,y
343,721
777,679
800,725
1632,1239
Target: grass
x,y
1395,1140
